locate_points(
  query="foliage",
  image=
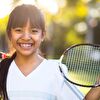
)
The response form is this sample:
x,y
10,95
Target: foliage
x,y
3,23
61,25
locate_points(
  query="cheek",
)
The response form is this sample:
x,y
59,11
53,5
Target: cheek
x,y
13,39
13,42
38,38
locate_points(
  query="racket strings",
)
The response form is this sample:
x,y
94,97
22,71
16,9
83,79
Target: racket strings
x,y
83,64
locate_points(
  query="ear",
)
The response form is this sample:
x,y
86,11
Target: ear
x,y
43,35
9,36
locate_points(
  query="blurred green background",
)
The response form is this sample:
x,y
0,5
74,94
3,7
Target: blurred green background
x,y
68,22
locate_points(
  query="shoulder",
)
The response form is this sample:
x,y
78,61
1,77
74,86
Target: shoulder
x,y
53,69
55,64
52,64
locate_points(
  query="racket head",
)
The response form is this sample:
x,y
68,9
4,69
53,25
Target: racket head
x,y
83,64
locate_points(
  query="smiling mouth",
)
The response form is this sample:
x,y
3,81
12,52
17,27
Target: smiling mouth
x,y
25,45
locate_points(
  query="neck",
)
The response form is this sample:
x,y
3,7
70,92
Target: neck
x,y
28,64
24,60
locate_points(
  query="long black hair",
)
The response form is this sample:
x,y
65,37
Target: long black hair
x,y
4,66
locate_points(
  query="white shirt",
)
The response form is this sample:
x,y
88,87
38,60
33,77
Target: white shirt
x,y
43,83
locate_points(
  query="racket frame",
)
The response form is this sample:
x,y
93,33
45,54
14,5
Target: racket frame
x,y
65,77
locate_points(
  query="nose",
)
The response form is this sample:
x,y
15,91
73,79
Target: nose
x,y
26,36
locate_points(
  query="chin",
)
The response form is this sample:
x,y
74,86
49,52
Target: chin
x,y
27,53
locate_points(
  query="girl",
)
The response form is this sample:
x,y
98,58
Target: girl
x,y
27,75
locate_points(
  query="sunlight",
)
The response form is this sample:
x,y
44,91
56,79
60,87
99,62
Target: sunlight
x,y
51,6
27,1
81,27
48,5
5,8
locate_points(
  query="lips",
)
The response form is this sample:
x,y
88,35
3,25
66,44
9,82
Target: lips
x,y
25,45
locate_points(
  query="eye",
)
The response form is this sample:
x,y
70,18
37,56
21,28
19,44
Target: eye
x,y
34,31
18,30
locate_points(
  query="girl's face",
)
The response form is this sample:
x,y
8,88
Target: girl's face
x,y
26,40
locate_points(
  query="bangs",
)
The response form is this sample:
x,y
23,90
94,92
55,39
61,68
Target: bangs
x,y
21,14
21,19
18,21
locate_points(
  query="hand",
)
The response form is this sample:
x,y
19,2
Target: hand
x,y
94,93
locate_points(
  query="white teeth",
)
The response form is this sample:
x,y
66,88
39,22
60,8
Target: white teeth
x,y
25,45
